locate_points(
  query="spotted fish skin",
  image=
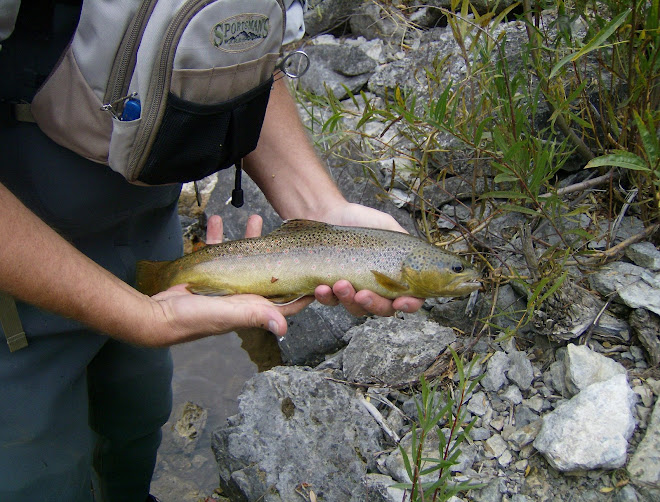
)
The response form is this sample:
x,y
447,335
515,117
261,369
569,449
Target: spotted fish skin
x,y
294,259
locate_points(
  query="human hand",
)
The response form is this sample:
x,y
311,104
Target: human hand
x,y
185,317
365,301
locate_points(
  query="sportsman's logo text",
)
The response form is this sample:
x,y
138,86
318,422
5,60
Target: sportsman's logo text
x,y
240,33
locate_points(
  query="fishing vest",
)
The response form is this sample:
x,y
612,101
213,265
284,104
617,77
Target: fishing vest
x,y
162,92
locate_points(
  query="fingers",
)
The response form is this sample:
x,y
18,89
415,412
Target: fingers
x,y
214,229
364,302
254,226
189,317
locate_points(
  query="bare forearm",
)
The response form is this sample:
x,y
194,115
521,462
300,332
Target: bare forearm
x,y
40,267
285,166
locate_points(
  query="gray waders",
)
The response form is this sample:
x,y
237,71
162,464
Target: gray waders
x,y
81,413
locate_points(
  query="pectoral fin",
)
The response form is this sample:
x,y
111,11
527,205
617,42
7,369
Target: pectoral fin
x,y
284,300
389,283
206,290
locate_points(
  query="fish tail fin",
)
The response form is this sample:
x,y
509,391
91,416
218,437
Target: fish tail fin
x,y
148,276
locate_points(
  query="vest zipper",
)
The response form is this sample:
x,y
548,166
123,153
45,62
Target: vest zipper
x,y
153,107
124,63
154,104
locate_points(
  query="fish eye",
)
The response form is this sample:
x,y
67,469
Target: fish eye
x,y
458,268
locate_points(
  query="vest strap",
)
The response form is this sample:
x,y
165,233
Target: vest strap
x,y
11,323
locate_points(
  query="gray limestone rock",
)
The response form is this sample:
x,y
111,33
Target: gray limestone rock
x,y
495,377
478,404
590,431
380,489
371,20
288,431
585,367
393,351
324,15
635,286
644,254
316,331
336,67
644,466
646,326
520,370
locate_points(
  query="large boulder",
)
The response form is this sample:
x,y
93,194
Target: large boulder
x,y
296,430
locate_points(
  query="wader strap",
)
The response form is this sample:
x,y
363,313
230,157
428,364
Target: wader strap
x,y
11,112
11,323
23,112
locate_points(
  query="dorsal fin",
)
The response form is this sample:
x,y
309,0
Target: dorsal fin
x,y
299,224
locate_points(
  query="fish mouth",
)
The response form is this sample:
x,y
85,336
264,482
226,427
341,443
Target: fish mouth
x,y
469,286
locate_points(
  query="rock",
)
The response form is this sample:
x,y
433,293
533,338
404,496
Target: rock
x,y
644,466
525,415
590,431
646,326
512,394
495,446
520,370
371,20
644,254
288,431
627,494
523,436
584,367
189,205
534,403
496,368
635,286
479,433
380,489
316,331
404,72
490,493
324,15
189,427
453,314
571,311
393,351
478,404
337,68
557,378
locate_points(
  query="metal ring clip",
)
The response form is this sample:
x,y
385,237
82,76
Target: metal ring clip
x,y
293,65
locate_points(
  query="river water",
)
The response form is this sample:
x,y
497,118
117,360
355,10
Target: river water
x,y
209,373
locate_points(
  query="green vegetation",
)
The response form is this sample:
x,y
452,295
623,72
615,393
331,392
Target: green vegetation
x,y
582,92
431,412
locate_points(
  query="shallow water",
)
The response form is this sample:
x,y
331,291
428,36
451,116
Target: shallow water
x,y
210,373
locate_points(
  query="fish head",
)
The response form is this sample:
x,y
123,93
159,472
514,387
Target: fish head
x,y
431,272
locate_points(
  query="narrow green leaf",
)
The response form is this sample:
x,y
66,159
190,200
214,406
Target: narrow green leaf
x,y
537,291
406,462
504,177
620,158
593,44
555,286
505,194
649,139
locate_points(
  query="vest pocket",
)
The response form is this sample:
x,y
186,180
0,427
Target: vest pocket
x,y
195,140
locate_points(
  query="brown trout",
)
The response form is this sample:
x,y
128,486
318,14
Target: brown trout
x,y
291,261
